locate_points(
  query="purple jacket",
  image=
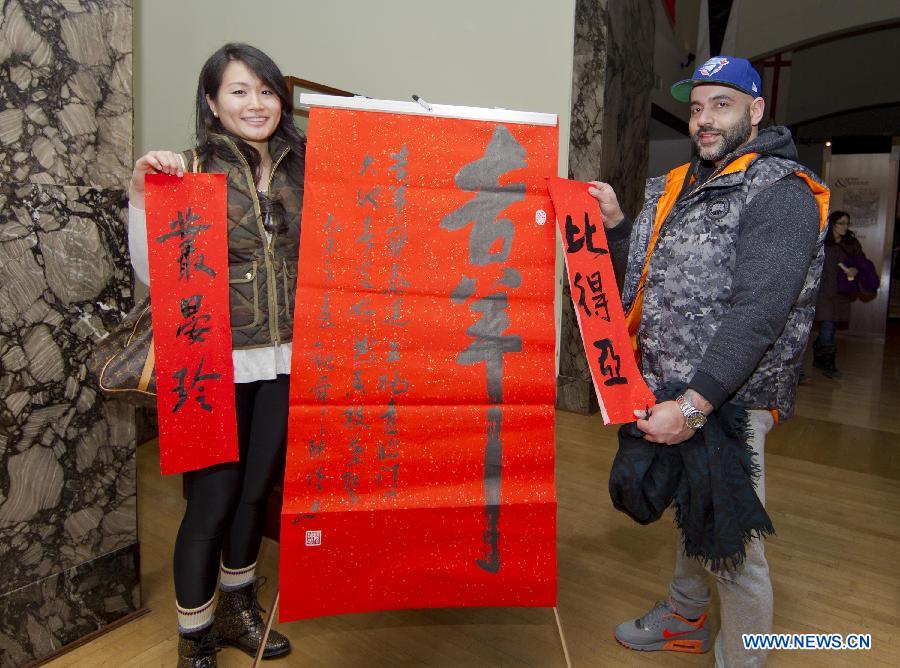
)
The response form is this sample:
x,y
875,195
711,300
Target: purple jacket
x,y
865,282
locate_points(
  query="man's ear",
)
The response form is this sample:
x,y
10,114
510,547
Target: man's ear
x,y
757,109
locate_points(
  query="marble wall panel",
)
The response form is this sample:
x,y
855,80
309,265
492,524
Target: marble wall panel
x,y
627,98
612,78
67,469
65,92
68,521
588,87
40,618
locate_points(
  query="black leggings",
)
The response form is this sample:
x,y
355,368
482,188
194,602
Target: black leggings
x,y
226,504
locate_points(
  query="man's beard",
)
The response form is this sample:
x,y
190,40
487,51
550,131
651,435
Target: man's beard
x,y
731,138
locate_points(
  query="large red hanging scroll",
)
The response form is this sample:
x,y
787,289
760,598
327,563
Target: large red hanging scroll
x,y
618,382
187,234
421,445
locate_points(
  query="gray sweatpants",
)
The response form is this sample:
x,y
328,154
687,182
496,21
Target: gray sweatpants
x,y
745,595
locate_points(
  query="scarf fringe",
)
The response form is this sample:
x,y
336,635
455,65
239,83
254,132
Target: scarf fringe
x,y
726,562
734,561
745,436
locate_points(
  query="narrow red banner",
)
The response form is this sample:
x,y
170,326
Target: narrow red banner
x,y
421,446
620,387
187,234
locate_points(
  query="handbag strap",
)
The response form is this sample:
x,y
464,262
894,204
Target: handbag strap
x,y
147,371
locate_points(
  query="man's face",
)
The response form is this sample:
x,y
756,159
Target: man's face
x,y
722,119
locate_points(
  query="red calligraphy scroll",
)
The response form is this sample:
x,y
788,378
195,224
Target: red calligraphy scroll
x,y
617,380
421,444
187,234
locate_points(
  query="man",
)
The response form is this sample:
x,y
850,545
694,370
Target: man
x,y
723,264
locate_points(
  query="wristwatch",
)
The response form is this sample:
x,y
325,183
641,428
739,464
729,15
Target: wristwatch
x,y
693,416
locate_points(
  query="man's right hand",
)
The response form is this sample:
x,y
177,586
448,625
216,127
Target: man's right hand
x,y
152,162
609,203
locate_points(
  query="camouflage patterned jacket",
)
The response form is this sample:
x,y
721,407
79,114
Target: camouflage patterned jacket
x,y
729,293
262,272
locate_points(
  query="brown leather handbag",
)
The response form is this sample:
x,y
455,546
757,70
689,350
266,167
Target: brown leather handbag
x,y
124,362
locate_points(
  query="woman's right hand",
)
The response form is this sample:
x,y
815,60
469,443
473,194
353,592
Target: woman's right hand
x,y
153,162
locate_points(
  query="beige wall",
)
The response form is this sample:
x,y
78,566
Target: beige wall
x,y
515,54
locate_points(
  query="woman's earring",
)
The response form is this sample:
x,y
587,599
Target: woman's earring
x,y
215,115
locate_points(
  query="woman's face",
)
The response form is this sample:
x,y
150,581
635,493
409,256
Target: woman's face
x,y
245,105
839,227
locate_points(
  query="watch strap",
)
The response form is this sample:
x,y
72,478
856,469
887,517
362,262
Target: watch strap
x,y
693,416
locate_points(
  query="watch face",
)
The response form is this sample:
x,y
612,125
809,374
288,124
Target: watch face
x,y
696,420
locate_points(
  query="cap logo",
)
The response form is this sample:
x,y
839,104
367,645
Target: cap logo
x,y
712,66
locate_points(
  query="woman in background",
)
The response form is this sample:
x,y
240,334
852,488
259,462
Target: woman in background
x,y
244,128
832,305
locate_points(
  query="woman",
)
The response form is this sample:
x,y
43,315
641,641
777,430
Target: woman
x,y
245,130
833,306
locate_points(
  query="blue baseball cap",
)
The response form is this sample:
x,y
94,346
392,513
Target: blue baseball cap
x,y
723,70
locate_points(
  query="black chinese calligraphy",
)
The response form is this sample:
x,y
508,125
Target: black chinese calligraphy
x,y
490,243
390,418
493,457
322,360
367,162
370,197
193,327
362,309
389,449
317,443
503,154
316,447
332,228
366,238
320,388
186,229
198,377
399,166
610,363
490,343
325,321
574,242
354,420
598,301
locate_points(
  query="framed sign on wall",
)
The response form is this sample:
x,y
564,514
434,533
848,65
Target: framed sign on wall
x,y
297,86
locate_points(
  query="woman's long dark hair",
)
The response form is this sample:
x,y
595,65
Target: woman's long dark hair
x,y
848,242
832,217
207,124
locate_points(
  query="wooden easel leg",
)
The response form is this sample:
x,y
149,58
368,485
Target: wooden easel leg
x,y
562,638
269,620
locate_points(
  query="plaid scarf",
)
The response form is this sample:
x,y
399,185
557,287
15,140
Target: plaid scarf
x,y
709,478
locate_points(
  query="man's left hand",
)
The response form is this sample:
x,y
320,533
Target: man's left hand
x,y
666,425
